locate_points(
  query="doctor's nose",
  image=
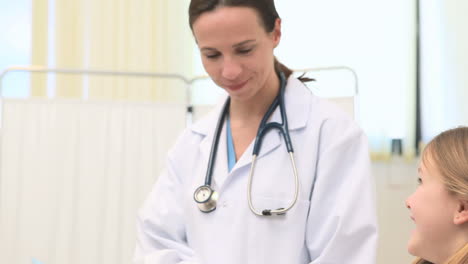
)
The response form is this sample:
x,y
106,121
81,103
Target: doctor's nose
x,y
231,69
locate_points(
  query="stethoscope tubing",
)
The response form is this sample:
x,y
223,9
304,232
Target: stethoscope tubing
x,y
214,147
263,129
279,211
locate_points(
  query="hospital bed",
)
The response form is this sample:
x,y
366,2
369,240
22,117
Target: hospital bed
x,y
73,172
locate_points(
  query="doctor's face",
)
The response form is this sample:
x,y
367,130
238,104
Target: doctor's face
x,y
236,50
432,208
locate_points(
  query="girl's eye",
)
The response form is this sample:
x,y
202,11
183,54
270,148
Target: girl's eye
x,y
419,181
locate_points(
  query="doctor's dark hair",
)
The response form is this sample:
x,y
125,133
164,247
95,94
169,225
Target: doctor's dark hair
x,y
265,9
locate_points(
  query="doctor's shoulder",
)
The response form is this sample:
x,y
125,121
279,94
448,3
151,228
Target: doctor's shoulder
x,y
334,121
188,142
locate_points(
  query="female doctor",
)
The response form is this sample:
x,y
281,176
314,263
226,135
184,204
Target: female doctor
x,y
304,196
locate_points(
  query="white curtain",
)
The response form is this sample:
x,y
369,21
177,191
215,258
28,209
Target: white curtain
x,y
73,175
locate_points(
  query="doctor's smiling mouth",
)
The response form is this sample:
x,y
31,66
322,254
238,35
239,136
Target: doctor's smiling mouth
x,y
236,86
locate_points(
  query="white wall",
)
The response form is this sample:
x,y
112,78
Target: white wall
x,y
375,38
444,65
456,67
395,181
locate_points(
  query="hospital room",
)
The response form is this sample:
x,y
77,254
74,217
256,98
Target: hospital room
x,y
111,114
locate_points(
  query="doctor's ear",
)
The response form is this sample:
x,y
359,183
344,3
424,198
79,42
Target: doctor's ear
x,y
277,32
461,215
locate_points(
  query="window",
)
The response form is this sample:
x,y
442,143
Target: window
x,y
15,45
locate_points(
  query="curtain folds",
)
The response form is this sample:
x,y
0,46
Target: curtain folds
x,y
74,174
146,36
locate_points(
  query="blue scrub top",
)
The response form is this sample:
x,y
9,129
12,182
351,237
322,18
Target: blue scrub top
x,y
230,145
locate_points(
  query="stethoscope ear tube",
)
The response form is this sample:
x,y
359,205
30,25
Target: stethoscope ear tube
x,y
214,147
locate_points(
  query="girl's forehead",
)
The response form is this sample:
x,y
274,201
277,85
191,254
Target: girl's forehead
x,y
427,161
429,170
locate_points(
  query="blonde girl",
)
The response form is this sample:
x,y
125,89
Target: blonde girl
x,y
439,206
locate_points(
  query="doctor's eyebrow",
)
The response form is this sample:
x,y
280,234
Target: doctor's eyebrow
x,y
243,43
234,46
208,49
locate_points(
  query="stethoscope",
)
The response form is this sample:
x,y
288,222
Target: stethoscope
x,y
206,197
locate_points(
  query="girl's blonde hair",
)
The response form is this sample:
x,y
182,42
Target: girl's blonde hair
x,y
448,152
460,257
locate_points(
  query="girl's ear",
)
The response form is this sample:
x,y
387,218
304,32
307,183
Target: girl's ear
x,y
461,215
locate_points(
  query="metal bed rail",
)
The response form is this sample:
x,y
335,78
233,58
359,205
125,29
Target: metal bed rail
x,y
43,69
187,81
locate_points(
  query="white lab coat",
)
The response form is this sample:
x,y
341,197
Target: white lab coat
x,y
333,221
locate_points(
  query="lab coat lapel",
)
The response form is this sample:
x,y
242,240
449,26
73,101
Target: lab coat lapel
x,y
271,141
207,127
220,170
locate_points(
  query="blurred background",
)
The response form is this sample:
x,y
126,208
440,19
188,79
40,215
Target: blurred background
x,y
79,152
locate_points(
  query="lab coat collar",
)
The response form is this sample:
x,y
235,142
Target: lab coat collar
x,y
297,104
297,101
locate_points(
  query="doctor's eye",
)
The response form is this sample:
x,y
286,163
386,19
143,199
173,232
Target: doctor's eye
x,y
212,56
244,51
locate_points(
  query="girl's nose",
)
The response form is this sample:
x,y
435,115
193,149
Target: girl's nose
x,y
408,202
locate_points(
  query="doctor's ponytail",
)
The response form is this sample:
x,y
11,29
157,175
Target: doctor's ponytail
x,y
287,72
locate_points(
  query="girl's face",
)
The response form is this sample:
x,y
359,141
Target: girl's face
x,y
236,50
432,208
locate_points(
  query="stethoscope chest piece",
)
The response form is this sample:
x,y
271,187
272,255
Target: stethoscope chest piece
x,y
206,198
